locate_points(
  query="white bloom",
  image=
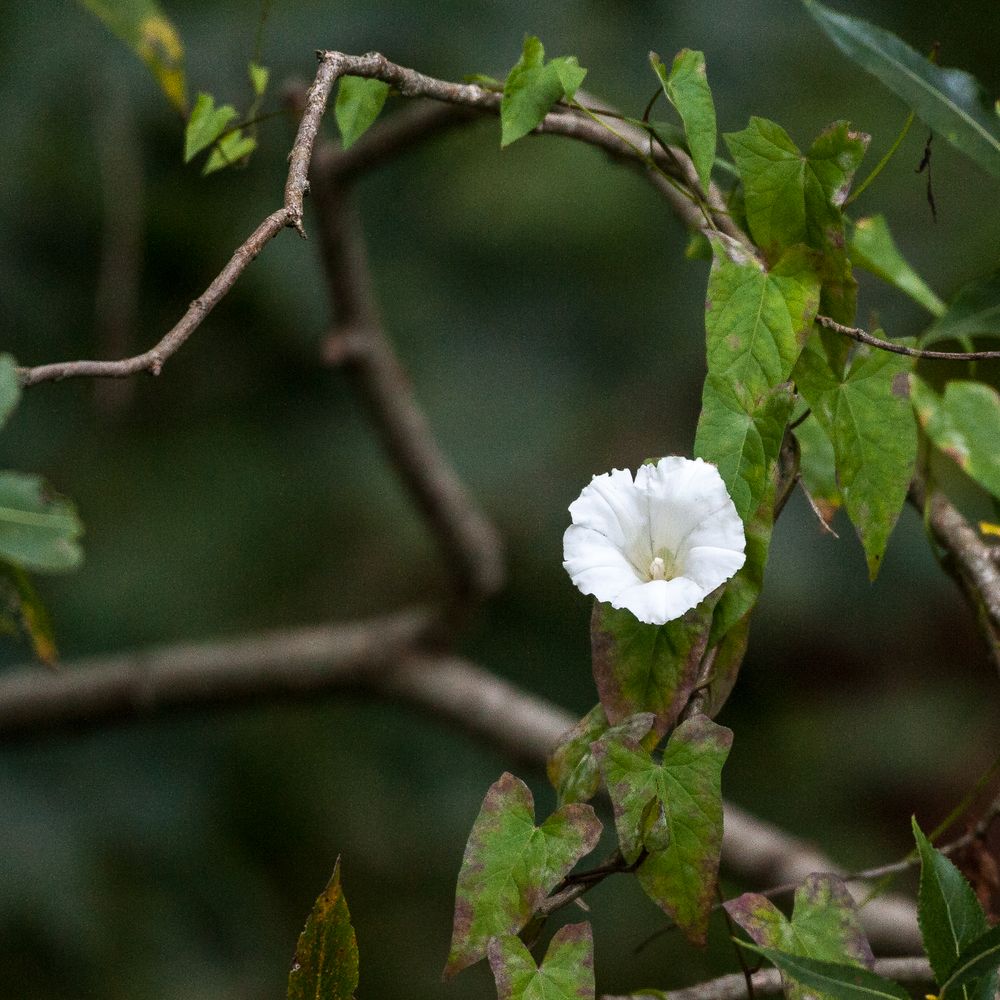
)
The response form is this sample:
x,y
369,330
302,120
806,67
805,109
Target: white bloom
x,y
656,545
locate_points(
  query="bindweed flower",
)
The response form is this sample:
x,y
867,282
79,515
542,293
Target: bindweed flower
x,y
658,544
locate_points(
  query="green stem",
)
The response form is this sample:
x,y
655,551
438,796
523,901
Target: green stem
x,y
881,165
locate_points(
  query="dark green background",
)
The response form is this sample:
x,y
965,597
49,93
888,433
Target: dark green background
x,y
553,330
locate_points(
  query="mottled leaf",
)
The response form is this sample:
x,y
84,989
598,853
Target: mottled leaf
x,y
566,972
229,150
532,87
647,668
686,87
32,615
965,424
572,769
727,658
951,918
869,419
326,957
510,866
39,530
950,101
359,103
873,248
143,27
817,466
206,124
977,961
673,810
831,979
825,925
973,312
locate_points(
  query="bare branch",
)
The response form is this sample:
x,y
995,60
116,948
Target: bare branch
x,y
390,658
967,558
767,982
863,337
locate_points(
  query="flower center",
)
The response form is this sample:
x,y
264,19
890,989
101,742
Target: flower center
x,y
660,570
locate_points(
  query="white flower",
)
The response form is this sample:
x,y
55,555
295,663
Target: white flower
x,y
656,545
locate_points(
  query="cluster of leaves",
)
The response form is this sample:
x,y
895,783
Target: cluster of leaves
x,y
150,34
39,532
823,950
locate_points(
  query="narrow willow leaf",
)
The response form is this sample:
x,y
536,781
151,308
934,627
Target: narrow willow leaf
x,y
10,387
841,982
673,810
359,103
950,101
825,925
647,668
978,960
572,768
973,312
872,247
817,466
686,87
510,866
566,972
229,150
143,27
206,124
259,77
38,529
965,424
25,601
951,917
532,87
326,957
870,421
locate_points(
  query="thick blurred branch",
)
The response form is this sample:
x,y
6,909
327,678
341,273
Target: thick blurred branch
x,y
390,658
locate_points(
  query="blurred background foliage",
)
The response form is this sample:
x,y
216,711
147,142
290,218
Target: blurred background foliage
x,y
553,330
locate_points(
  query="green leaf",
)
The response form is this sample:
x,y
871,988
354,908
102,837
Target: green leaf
x,y
973,312
566,972
756,321
359,103
229,150
965,424
868,417
206,124
572,768
143,27
647,668
817,466
259,77
532,87
950,101
38,529
951,918
326,956
793,198
673,810
510,866
686,87
825,925
10,387
831,979
728,658
978,960
872,247
33,615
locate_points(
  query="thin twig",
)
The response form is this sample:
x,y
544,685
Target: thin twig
x,y
863,337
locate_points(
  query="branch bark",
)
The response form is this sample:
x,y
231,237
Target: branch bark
x,y
863,337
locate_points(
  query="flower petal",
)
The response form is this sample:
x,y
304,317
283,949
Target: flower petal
x,y
660,601
612,506
595,564
710,566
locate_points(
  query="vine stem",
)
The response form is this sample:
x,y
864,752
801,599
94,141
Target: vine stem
x,y
864,337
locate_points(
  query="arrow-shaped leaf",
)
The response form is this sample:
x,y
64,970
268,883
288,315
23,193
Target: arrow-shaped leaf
x,y
566,972
510,866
